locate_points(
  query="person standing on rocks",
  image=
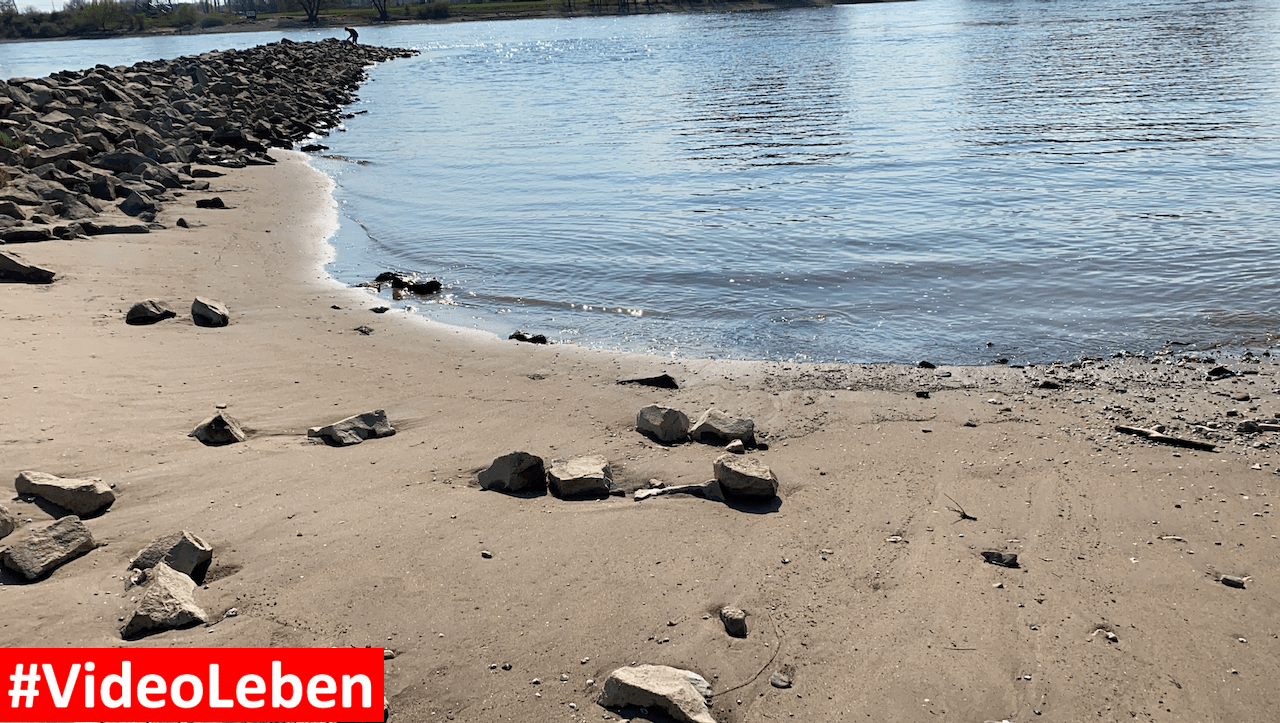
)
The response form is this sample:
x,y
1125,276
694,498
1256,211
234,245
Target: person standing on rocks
x,y
352,36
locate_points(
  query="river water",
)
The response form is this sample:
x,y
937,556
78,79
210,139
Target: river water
x,y
956,180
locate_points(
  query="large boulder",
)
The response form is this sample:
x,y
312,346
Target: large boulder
x,y
716,427
43,551
515,473
663,423
208,312
182,551
682,694
221,428
149,311
168,603
8,522
745,478
354,430
136,204
82,497
13,268
580,477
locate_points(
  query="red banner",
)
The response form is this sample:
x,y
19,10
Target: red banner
x,y
293,685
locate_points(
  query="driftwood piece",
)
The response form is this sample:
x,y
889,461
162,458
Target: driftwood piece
x,y
1154,436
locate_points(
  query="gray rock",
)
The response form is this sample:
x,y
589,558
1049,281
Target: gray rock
x,y
221,428
780,680
663,423
716,427
137,204
735,621
736,447
8,522
515,473
13,268
81,497
354,430
182,551
208,312
745,478
168,603
579,477
42,551
149,311
682,694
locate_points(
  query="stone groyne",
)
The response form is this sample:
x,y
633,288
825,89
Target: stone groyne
x,y
106,140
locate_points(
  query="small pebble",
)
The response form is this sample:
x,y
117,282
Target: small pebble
x,y
486,554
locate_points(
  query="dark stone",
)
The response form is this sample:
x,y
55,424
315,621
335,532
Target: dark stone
x,y
13,268
182,223
214,202
149,311
137,204
922,395
206,173
1003,559
1049,384
218,430
927,365
528,338
380,309
25,234
208,312
662,381
366,330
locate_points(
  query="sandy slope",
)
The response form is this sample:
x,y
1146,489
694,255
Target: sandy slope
x,y
379,544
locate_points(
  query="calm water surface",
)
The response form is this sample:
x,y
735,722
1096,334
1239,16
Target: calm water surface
x,y
855,183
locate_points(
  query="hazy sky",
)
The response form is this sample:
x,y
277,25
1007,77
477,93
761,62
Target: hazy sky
x,y
43,6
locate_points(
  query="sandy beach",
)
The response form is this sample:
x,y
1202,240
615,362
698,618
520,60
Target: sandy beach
x,y
860,582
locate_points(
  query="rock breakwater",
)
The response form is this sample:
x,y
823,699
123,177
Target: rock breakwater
x,y
123,140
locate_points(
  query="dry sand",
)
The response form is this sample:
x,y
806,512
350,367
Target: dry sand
x,y
379,544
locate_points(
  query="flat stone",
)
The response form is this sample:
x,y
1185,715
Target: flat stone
x,y
515,473
149,311
663,423
735,621
780,680
580,477
43,551
183,551
81,497
208,312
13,268
745,478
354,430
682,694
707,490
716,427
221,428
168,603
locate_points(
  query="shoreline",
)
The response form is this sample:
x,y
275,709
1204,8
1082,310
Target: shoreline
x,y
380,544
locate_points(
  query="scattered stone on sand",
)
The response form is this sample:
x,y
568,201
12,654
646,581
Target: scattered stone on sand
x,y
736,447
927,365
735,621
365,330
13,268
580,477
44,550
745,478
221,428
528,338
664,424
148,311
716,427
1220,372
662,381
707,490
922,395
8,522
409,282
169,603
380,309
682,694
354,430
208,312
1003,559
181,551
515,473
82,497
780,680
1233,581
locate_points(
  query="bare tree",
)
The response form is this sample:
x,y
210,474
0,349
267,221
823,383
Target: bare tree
x,y
381,7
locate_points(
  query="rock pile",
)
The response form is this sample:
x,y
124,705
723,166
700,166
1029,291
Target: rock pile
x,y
78,143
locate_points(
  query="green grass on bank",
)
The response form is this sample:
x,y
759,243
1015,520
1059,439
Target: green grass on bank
x,y
95,18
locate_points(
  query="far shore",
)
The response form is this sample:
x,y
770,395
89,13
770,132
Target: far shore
x,y
339,21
